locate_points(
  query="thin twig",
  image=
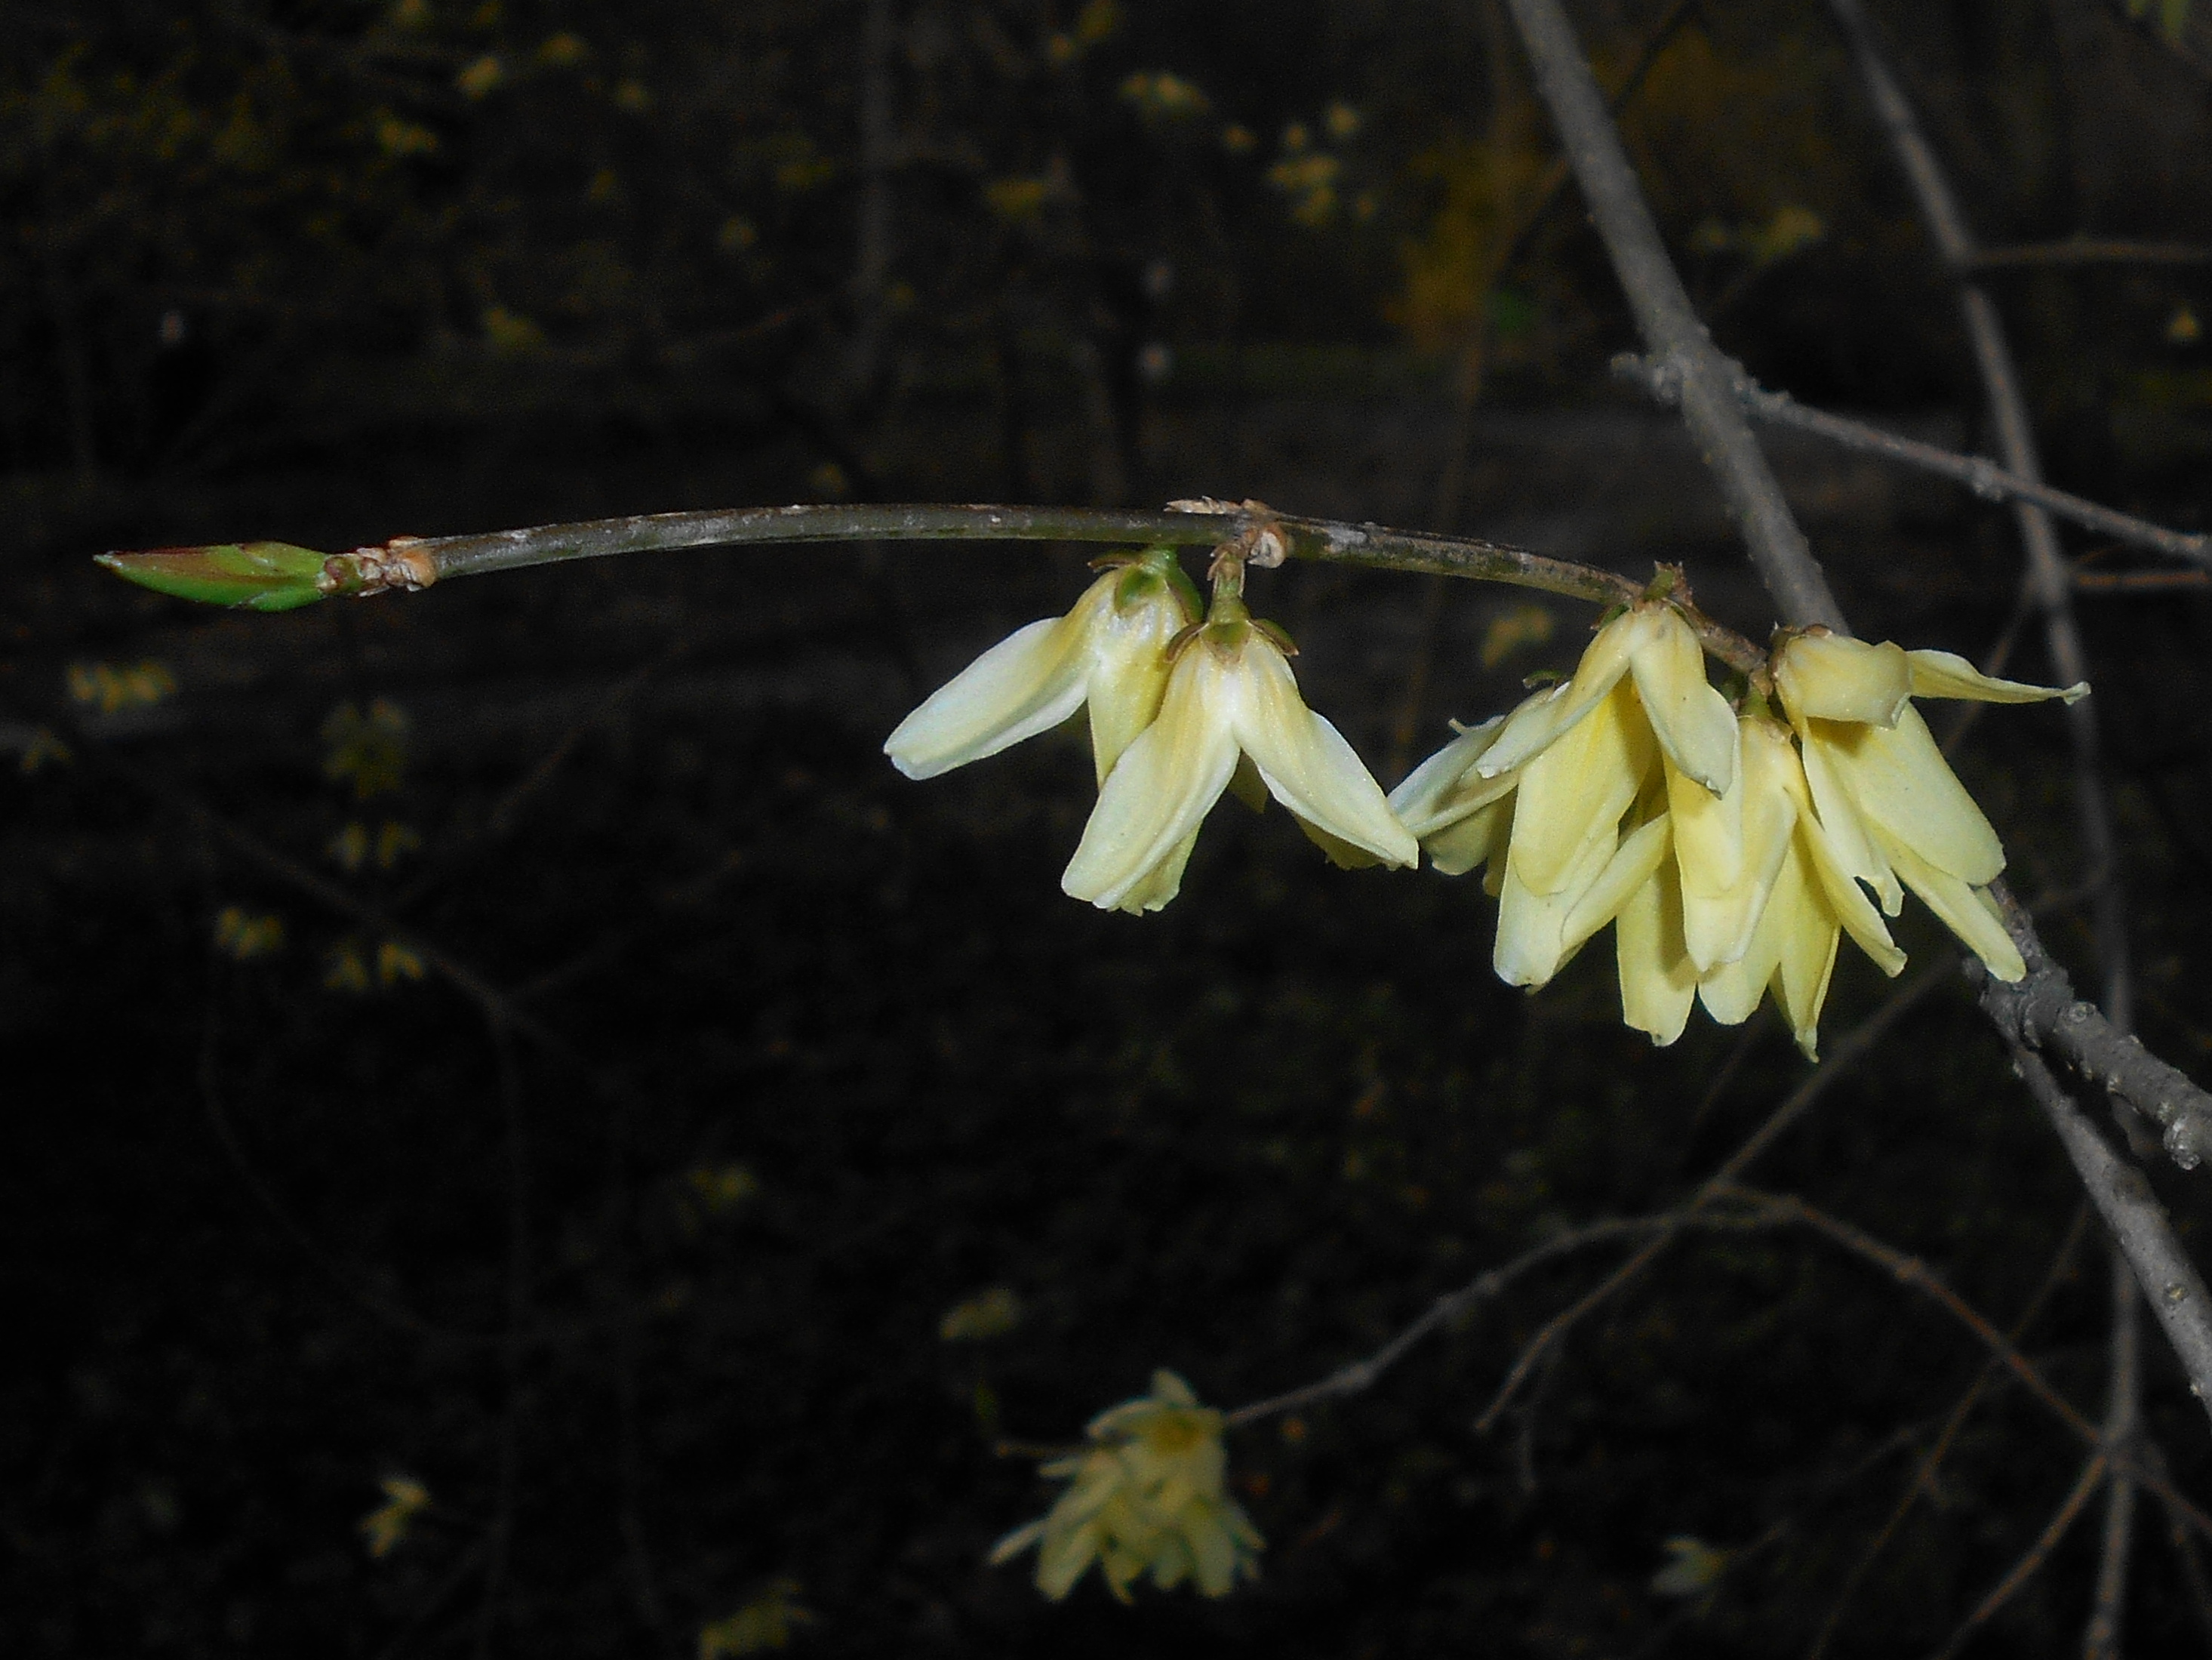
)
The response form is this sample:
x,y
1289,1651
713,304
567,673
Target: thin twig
x,y
1985,477
500,1539
1456,1305
1922,1479
2030,1563
1841,1054
2100,1638
2087,251
1909,1270
2174,1289
1670,324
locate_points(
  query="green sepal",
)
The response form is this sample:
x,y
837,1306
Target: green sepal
x,y
259,576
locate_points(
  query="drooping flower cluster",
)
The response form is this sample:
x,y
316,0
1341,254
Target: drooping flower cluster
x,y
1180,709
1148,1496
1727,849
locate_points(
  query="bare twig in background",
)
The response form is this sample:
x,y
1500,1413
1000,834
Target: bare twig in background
x,y
2100,1638
1842,1056
2138,582
1670,325
2030,1563
1978,473
1910,1270
2172,1285
1456,1305
2087,251
1923,1479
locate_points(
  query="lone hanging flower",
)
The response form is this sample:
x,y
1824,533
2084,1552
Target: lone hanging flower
x,y
1109,652
1148,1496
1231,695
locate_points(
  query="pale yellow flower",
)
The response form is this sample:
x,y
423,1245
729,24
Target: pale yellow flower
x,y
1896,815
1230,695
1809,902
1109,652
1149,1495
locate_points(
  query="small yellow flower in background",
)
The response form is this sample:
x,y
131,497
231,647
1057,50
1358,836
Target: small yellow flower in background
x,y
1232,697
368,752
385,1528
1892,806
991,1312
768,1622
1109,652
247,935
112,687
1149,1496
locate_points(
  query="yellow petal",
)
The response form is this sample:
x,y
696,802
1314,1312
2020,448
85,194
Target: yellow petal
x,y
1964,909
1848,843
1163,882
1163,787
1129,669
1640,853
1729,849
1308,766
1809,936
1945,674
1847,900
1531,941
1029,682
1693,723
1658,982
1459,847
1906,791
1423,800
1578,787
1830,677
1542,719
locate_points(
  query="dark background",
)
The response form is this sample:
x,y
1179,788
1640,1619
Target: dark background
x,y
737,1061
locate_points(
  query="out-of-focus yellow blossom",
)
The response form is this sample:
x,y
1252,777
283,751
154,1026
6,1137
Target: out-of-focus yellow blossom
x,y
1149,1496
1230,697
1894,812
1109,652
384,1528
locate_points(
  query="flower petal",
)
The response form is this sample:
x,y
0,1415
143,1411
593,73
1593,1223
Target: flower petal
x,y
1728,850
1474,840
1809,937
1831,677
1163,787
1658,981
1129,666
1163,882
1693,723
1308,766
1907,792
1848,843
1945,674
1531,942
1422,799
1537,724
1580,785
1964,910
1640,853
1029,682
